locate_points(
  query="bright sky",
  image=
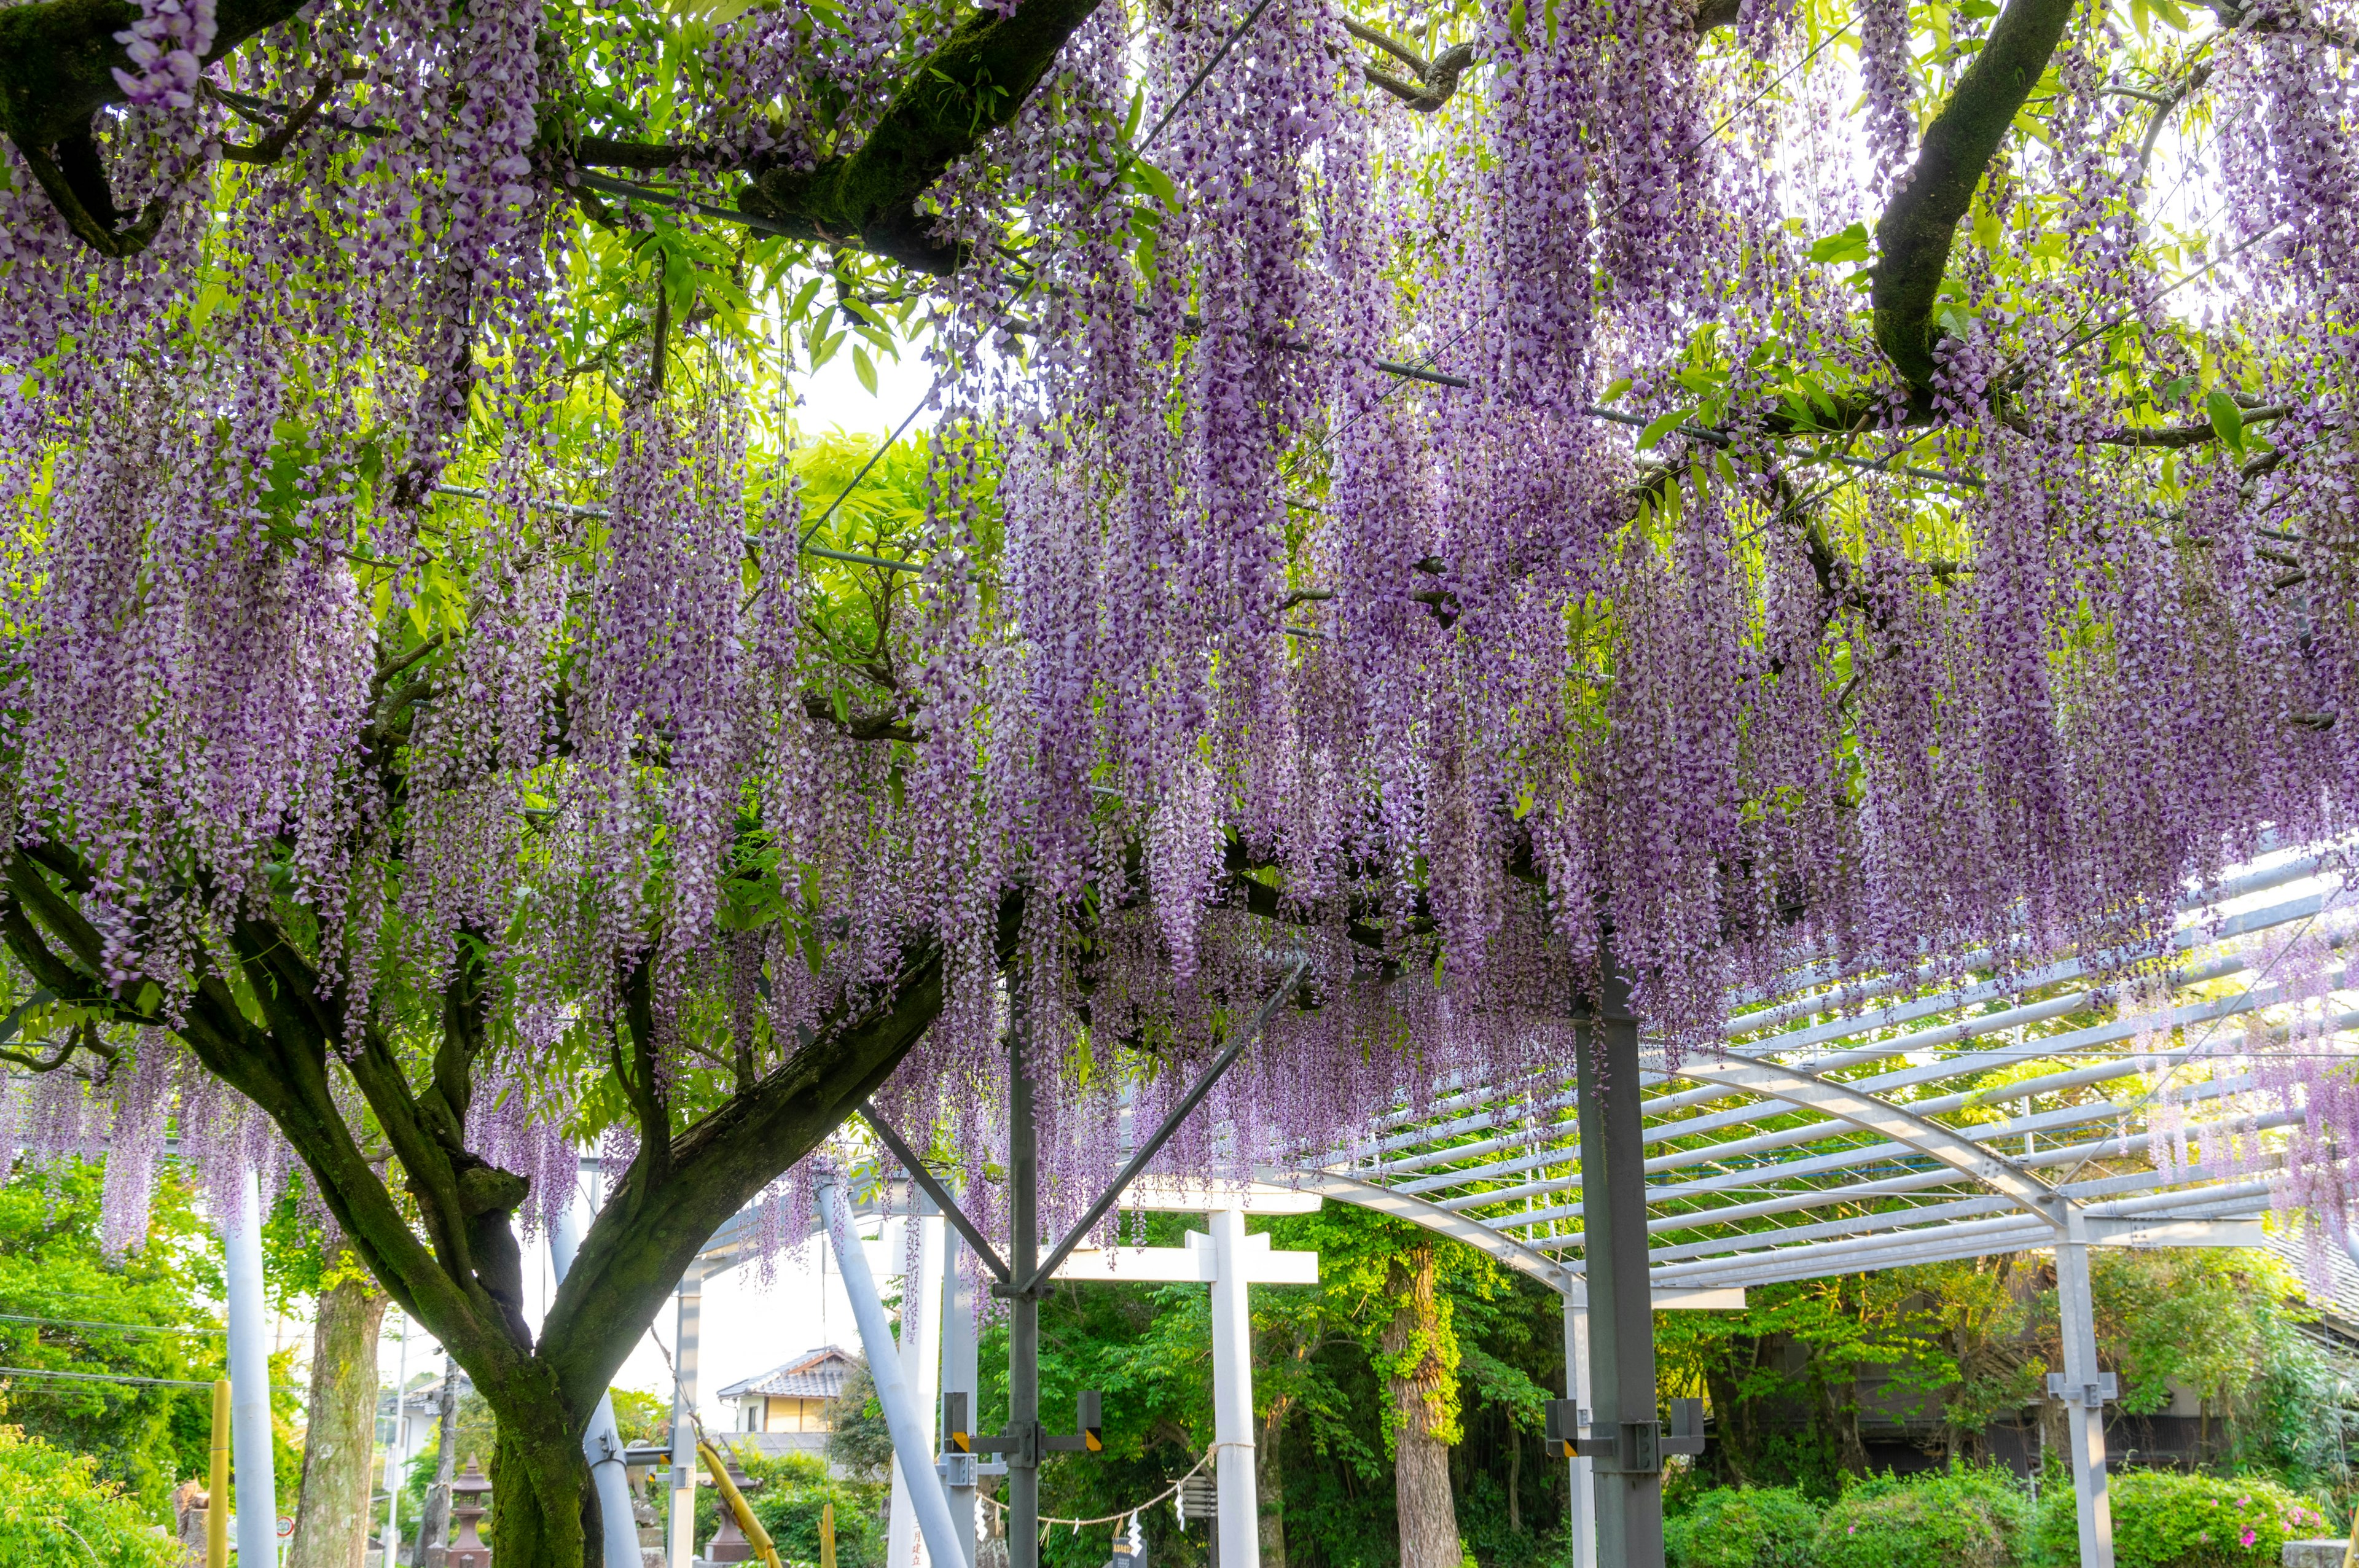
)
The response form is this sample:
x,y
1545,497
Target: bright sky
x,y
835,396
745,1328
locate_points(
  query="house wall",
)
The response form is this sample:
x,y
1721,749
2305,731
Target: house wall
x,y
796,1415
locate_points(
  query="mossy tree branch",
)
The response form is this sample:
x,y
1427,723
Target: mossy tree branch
x,y
971,86
58,59
1914,235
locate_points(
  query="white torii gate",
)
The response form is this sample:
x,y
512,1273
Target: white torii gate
x,y
1229,1260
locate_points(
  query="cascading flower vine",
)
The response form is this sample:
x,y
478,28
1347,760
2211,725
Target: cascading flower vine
x,y
1449,536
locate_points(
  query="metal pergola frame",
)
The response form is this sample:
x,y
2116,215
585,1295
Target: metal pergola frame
x,y
1852,1127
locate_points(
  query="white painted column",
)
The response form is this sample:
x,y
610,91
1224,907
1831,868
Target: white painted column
x,y
920,1351
961,1374
901,1417
1233,1414
2083,1391
679,1536
602,1442
249,1380
1580,1518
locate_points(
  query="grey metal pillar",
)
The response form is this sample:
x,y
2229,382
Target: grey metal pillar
x,y
1024,1304
1629,1484
602,1441
1581,1517
961,1374
2084,1391
679,1536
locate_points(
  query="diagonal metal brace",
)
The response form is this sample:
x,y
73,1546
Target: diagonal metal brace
x,y
934,1190
1148,1149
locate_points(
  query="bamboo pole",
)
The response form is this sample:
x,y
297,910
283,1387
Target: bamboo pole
x,y
735,1500
217,1480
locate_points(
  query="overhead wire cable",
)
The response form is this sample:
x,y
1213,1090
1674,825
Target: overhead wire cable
x,y
1122,165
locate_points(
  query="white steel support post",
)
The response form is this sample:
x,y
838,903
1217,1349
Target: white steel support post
x,y
911,1442
680,1532
1580,1518
920,1347
2083,1391
961,1374
249,1381
602,1442
1239,1525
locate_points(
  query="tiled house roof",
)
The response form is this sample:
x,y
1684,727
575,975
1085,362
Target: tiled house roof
x,y
818,1374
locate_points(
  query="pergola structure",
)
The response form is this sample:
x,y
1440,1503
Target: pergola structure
x,y
1861,1127
1849,1127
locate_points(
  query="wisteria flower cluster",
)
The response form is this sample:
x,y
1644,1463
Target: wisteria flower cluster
x,y
1453,546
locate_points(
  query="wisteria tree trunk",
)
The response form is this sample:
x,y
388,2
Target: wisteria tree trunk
x,y
332,1511
1421,1374
462,1277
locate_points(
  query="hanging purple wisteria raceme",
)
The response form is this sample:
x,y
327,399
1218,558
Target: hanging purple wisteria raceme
x,y
1694,488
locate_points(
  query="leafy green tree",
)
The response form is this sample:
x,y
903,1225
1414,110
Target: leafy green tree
x,y
141,1437
790,1492
56,1508
641,1418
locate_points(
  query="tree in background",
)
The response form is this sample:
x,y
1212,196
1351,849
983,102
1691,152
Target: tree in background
x,y
1966,1346
1418,1345
333,1509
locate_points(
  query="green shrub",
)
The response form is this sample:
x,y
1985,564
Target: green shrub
x,y
2166,1518
54,1510
1964,1516
1745,1527
793,1489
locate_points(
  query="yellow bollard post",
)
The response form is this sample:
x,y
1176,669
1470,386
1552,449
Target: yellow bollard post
x,y
735,1501
827,1535
217,1481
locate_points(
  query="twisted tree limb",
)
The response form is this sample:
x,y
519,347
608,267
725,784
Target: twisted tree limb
x,y
1914,235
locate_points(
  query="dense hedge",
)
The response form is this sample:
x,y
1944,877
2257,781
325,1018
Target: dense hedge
x,y
1745,1527
2166,1518
1965,1517
54,1510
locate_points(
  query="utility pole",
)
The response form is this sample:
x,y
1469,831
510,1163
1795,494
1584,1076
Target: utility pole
x,y
396,1448
434,1522
1022,1292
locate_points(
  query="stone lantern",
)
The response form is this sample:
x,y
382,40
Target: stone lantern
x,y
729,1543
470,1501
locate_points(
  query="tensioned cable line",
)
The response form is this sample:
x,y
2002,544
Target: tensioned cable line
x,y
124,1328
1130,155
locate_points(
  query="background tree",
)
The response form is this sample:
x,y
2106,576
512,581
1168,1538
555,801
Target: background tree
x,y
58,1279
333,1504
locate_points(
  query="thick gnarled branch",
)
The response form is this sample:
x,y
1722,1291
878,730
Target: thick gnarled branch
x,y
1913,236
971,86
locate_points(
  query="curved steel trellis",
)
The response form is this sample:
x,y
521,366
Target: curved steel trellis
x,y
1861,1127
